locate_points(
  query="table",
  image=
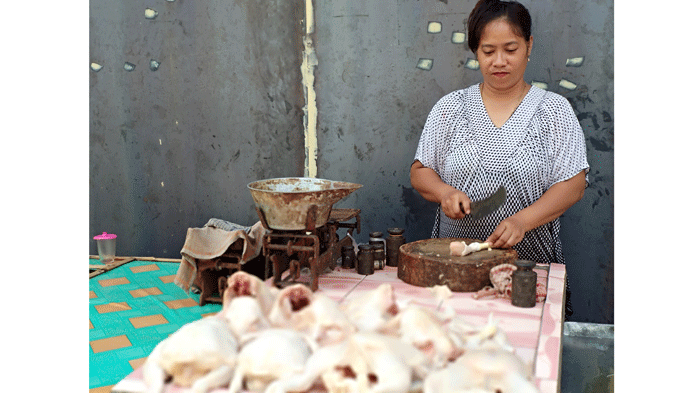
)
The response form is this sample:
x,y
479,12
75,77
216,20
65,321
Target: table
x,y
535,332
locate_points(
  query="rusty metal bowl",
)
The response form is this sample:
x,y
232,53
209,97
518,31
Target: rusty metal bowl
x,y
297,203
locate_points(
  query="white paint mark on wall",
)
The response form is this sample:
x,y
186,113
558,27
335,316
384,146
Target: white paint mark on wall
x,y
96,67
575,61
129,66
154,65
458,37
160,141
309,62
472,64
150,13
162,184
434,27
425,64
540,85
566,84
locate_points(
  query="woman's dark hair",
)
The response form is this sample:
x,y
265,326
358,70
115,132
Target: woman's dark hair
x,y
486,11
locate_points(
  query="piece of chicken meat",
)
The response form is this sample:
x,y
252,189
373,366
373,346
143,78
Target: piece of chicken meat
x,y
426,331
482,370
371,310
242,283
268,355
289,301
488,336
366,362
458,248
244,315
200,355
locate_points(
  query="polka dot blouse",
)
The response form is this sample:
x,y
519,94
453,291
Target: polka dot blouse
x,y
539,145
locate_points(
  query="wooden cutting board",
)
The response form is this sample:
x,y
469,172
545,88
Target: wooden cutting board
x,y
428,262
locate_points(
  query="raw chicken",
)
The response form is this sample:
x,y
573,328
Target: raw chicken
x,y
366,362
200,355
489,336
323,321
458,248
369,311
315,314
423,329
244,315
441,292
541,289
269,355
242,283
501,278
484,370
289,301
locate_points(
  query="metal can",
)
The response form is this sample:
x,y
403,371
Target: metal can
x,y
366,259
524,281
348,257
380,256
394,241
377,240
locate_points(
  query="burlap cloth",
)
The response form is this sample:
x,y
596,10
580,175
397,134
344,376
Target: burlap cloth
x,y
212,241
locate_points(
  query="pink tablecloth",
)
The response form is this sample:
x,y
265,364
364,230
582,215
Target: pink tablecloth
x,y
534,332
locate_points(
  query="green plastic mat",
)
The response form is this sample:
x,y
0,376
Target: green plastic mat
x,y
131,309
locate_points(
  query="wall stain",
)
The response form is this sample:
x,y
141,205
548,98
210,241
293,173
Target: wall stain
x,y
600,145
591,116
420,216
607,117
366,154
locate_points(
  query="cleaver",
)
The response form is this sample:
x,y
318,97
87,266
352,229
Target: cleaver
x,y
486,206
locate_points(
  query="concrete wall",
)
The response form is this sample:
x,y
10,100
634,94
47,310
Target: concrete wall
x,y
172,147
227,103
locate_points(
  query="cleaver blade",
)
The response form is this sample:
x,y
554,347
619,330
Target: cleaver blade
x,y
486,206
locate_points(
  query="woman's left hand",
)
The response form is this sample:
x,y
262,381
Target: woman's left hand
x,y
509,232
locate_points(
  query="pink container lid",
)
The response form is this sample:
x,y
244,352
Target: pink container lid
x,y
105,236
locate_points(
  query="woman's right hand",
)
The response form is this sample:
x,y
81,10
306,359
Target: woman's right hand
x,y
455,204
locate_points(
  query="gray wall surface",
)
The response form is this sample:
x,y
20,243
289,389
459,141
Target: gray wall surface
x,y
171,148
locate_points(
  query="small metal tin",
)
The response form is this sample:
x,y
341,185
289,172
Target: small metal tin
x,y
366,259
348,257
376,235
380,256
394,241
524,281
380,248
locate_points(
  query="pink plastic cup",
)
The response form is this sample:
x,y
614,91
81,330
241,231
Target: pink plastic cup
x,y
106,245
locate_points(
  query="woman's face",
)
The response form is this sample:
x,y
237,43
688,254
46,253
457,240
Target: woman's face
x,y
502,55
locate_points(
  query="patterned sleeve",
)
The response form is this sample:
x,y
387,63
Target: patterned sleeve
x,y
432,147
567,150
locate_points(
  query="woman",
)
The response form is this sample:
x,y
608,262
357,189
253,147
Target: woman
x,y
502,131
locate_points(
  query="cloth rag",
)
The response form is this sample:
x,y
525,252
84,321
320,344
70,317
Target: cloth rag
x,y
212,241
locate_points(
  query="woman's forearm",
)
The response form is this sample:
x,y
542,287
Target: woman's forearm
x,y
554,202
453,203
428,183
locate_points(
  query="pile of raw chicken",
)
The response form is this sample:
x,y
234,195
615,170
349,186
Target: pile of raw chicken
x,y
294,340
